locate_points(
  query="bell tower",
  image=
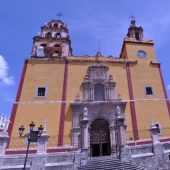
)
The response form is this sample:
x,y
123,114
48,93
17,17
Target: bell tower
x,y
135,47
134,32
52,42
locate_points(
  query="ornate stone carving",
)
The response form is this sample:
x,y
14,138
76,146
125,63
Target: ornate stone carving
x,y
90,108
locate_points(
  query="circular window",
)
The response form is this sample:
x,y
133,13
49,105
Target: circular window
x,y
141,54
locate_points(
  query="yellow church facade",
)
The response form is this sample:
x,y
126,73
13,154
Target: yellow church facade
x,y
57,87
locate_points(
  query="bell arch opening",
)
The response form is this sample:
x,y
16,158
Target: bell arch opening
x,y
100,138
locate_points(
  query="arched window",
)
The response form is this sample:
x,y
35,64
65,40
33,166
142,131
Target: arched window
x,y
99,93
58,35
55,25
57,45
137,35
43,45
48,35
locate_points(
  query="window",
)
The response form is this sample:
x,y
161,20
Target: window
x,y
57,45
43,45
41,91
149,91
137,36
99,93
55,25
58,35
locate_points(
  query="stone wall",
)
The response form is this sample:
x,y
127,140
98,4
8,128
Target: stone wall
x,y
48,161
149,156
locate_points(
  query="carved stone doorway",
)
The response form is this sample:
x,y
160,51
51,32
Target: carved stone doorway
x,y
100,138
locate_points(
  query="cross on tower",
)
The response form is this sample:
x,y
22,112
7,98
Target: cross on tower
x,y
132,17
59,15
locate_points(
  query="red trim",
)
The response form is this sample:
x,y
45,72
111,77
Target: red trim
x,y
20,152
165,140
140,143
34,151
132,104
60,150
63,106
163,85
14,109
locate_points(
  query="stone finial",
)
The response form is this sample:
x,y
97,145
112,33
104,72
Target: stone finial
x,y
118,110
98,55
85,113
154,132
4,123
78,98
110,78
86,77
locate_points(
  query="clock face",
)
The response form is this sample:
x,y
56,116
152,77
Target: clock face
x,y
141,54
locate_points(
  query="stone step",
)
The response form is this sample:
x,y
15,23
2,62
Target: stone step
x,y
109,163
94,167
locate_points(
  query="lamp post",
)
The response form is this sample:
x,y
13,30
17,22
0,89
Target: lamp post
x,y
32,136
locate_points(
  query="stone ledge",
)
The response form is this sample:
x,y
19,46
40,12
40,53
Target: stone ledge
x,y
166,151
58,164
142,155
14,167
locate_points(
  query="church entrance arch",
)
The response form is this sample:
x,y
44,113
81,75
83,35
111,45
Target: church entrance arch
x,y
100,138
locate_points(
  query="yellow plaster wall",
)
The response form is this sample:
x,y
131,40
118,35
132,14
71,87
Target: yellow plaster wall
x,y
144,74
41,73
132,50
76,74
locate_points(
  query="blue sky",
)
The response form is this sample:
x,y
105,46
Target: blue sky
x,y
89,22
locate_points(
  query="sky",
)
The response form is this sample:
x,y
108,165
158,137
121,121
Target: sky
x,y
90,23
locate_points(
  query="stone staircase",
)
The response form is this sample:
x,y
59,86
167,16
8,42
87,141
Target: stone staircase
x,y
108,163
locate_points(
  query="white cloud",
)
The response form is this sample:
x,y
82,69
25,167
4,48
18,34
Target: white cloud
x,y
5,79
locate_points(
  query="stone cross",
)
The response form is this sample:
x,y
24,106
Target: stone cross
x,y
59,15
132,17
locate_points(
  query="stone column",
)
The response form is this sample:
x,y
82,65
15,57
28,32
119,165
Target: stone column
x,y
122,130
42,143
3,142
84,130
113,138
121,127
154,133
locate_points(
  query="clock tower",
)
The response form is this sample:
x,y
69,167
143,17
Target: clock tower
x,y
145,80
